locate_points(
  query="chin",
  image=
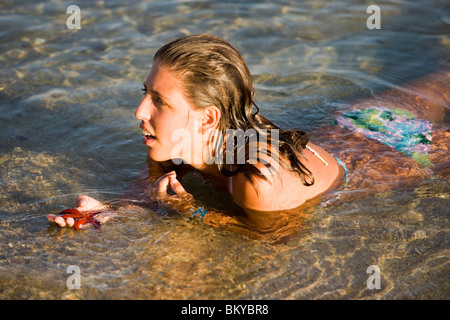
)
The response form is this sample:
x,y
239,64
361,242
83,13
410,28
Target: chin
x,y
151,154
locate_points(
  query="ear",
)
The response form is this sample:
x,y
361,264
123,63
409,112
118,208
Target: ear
x,y
210,118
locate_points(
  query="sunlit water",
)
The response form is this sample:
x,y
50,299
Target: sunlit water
x,y
67,99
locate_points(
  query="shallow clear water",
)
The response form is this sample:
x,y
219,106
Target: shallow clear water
x,y
67,99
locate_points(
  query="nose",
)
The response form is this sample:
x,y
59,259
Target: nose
x,y
143,110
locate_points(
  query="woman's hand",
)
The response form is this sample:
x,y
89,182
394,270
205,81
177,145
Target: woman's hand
x,y
85,204
180,201
159,187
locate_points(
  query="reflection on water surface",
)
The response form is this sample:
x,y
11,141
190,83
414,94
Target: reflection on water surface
x,y
67,99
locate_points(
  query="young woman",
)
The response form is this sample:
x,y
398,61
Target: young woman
x,y
198,115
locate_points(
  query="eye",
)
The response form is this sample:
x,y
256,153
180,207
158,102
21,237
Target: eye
x,y
157,101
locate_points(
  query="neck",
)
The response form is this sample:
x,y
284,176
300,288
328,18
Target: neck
x,y
203,166
208,169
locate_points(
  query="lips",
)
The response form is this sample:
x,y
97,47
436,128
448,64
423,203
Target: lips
x,y
149,138
147,134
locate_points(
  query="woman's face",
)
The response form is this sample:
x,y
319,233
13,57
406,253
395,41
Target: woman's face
x,y
164,111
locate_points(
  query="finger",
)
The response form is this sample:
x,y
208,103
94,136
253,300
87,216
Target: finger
x,y
163,184
82,201
167,175
70,221
103,217
86,203
176,186
60,221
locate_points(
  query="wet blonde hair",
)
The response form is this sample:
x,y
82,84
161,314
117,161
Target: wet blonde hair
x,y
213,72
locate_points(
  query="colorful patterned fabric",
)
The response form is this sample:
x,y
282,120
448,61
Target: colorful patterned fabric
x,y
394,127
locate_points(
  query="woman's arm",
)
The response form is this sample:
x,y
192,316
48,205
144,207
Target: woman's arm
x,y
158,182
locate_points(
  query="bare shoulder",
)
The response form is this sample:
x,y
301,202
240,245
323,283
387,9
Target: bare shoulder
x,y
284,189
277,191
